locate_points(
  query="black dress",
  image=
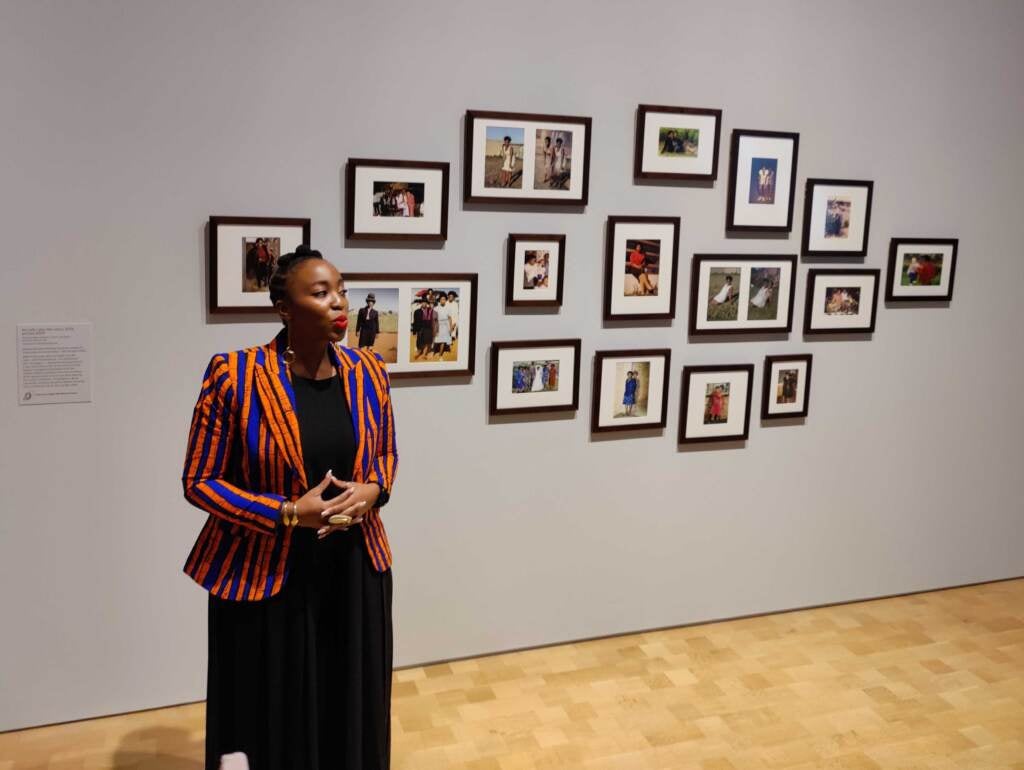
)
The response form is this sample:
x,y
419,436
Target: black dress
x,y
302,680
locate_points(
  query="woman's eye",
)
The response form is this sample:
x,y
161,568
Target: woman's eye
x,y
320,294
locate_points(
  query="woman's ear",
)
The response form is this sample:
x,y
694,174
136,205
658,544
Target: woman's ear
x,y
282,310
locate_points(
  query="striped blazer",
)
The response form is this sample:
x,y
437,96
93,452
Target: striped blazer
x,y
244,458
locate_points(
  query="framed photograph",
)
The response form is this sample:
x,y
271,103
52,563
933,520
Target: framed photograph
x,y
535,275
741,293
423,324
630,390
396,200
787,386
242,253
921,269
715,403
519,157
841,301
762,179
837,215
676,143
640,267
535,376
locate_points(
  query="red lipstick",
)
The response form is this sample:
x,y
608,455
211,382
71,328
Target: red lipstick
x,y
341,322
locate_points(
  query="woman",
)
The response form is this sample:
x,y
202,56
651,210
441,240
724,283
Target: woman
x,y
763,296
292,453
629,396
724,294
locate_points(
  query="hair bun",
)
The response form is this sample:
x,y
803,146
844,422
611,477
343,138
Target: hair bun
x,y
302,251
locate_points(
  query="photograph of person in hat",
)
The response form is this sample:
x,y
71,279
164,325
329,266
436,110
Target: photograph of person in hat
x,y
373,321
367,322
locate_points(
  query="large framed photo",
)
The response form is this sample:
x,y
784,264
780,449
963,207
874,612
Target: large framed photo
x,y
242,253
630,390
535,274
762,179
519,157
715,404
422,324
741,293
535,376
396,200
837,215
640,267
841,301
787,386
678,143
921,269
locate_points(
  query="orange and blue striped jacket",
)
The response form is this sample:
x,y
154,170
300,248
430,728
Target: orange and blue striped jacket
x,y
245,457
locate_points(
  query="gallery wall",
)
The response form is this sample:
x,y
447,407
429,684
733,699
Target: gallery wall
x,y
127,125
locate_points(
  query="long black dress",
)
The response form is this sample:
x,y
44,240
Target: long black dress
x,y
302,680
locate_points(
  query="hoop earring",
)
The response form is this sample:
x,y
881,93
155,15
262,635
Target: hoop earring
x,y
289,354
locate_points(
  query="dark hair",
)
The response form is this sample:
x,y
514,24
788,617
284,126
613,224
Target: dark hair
x,y
286,263
508,139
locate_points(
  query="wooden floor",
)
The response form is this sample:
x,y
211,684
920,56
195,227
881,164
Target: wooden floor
x,y
927,681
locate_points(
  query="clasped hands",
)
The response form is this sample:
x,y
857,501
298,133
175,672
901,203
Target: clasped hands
x,y
349,507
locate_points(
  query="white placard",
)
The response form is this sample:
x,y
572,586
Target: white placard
x,y
54,363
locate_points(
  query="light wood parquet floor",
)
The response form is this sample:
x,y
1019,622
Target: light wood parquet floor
x,y
932,680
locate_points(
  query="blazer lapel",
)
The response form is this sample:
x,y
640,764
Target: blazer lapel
x,y
277,397
352,380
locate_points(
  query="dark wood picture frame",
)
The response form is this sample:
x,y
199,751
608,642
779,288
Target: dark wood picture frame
x,y
497,346
467,165
818,272
595,412
695,268
895,271
730,215
809,188
766,390
512,268
435,278
350,199
610,262
212,257
688,372
642,111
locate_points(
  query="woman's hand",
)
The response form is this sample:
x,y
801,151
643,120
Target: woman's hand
x,y
354,503
309,507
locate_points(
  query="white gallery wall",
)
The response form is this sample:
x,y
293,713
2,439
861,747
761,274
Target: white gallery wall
x,y
126,125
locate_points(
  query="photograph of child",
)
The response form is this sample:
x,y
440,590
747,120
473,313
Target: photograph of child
x,y
837,217
398,199
678,142
552,166
534,376
433,335
641,265
716,403
633,383
842,301
373,321
723,294
535,269
260,257
764,300
921,270
762,180
785,389
503,161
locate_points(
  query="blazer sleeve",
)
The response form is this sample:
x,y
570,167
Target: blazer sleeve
x,y
211,441
385,463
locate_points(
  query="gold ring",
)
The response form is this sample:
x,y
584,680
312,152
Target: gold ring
x,y
339,518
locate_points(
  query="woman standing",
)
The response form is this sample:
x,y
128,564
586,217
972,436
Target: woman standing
x,y
292,453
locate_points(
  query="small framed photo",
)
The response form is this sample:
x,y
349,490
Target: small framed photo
x,y
715,403
535,376
630,390
787,386
396,200
762,179
640,267
676,143
741,293
242,254
422,324
921,269
520,157
841,301
535,275
837,215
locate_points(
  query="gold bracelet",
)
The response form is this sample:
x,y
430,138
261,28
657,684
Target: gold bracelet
x,y
290,519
